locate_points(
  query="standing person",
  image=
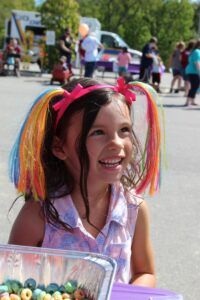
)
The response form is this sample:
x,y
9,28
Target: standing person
x,y
124,59
177,70
65,44
147,60
13,51
81,177
193,73
184,61
90,44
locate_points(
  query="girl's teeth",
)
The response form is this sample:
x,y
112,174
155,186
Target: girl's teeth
x,y
111,163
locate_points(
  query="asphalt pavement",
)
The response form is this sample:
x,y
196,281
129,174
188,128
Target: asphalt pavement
x,y
174,211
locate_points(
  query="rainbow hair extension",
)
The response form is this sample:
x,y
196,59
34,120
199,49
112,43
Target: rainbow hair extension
x,y
26,171
152,151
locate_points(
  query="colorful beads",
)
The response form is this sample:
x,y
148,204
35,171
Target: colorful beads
x,y
26,294
15,290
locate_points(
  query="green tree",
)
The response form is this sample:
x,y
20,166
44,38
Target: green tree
x,y
177,23
6,6
196,20
136,21
58,15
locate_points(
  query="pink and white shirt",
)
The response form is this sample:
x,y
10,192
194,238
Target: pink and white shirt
x,y
118,232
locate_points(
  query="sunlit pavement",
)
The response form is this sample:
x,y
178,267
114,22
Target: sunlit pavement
x,y
174,212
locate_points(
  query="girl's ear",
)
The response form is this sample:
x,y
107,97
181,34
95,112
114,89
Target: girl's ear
x,y
58,148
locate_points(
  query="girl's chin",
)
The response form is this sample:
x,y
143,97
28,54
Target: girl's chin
x,y
105,180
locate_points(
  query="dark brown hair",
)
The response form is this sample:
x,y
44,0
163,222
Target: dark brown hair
x,y
59,181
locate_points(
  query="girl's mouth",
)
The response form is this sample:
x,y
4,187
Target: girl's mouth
x,y
111,163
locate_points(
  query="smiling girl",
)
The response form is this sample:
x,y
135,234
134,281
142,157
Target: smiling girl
x,y
81,169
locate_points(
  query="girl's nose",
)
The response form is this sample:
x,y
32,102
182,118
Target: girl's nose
x,y
115,142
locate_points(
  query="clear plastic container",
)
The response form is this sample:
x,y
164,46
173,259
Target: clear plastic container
x,y
93,271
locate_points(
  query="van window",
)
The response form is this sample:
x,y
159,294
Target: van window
x,y
108,41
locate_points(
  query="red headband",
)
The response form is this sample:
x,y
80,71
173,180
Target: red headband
x,y
80,91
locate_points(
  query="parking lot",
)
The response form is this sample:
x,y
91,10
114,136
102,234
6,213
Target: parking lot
x,y
174,211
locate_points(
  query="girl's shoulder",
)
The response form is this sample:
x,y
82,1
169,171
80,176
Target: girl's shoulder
x,y
133,198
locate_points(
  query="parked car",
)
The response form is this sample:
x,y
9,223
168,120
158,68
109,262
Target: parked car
x,y
107,60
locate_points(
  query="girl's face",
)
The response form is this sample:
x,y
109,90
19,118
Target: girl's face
x,y
109,144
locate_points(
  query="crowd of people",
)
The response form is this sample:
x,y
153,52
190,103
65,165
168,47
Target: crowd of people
x,y
185,64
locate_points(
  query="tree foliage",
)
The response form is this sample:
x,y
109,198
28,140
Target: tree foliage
x,y
58,15
136,21
6,6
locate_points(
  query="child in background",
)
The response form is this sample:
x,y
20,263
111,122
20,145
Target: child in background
x,y
60,72
81,178
156,71
124,58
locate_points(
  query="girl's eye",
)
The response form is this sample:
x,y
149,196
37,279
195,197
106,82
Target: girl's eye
x,y
97,132
126,129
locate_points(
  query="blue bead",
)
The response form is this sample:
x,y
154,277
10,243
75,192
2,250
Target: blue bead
x,y
36,293
52,288
30,283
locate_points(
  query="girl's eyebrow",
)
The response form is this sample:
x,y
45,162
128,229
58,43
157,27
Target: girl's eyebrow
x,y
101,125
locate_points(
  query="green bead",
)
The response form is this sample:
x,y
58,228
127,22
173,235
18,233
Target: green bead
x,y
16,286
8,282
57,293
19,292
30,283
57,296
3,289
70,286
41,295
